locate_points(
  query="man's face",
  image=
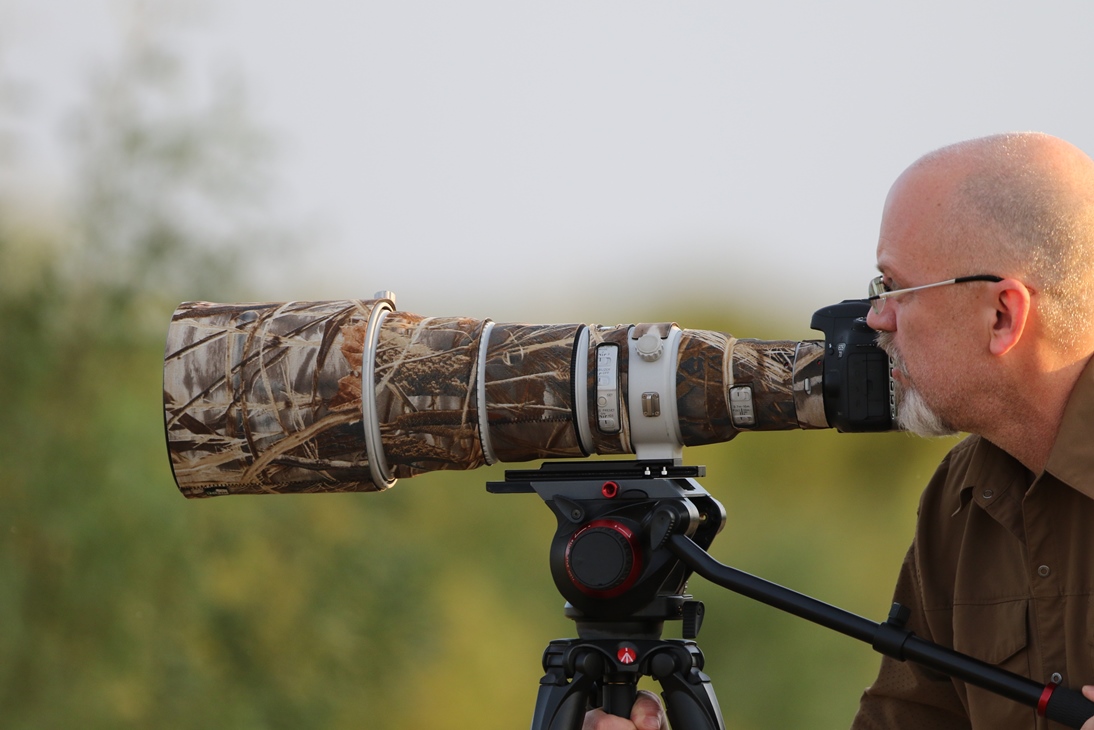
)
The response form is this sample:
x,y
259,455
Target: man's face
x,y
913,414
923,331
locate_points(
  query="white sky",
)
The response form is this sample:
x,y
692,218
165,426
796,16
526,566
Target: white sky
x,y
579,160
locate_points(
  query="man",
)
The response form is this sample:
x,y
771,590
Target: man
x,y
986,303
1002,564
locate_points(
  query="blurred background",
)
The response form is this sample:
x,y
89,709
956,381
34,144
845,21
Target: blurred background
x,y
718,164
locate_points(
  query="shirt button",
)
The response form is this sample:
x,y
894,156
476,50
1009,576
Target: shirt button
x,y
1043,571
1057,678
987,494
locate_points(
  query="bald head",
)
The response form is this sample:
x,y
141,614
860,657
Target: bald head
x,y
1021,205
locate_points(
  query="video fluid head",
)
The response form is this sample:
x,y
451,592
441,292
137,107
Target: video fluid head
x,y
352,395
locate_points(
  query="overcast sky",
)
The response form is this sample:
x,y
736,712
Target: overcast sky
x,y
568,160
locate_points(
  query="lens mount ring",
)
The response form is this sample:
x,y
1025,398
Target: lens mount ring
x,y
480,395
374,445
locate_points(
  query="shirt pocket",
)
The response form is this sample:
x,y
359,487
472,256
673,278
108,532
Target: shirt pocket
x,y
998,634
993,632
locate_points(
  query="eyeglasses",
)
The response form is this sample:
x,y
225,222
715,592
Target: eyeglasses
x,y
879,291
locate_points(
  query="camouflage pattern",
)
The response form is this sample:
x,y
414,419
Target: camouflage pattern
x,y
701,388
267,398
808,384
426,400
263,398
529,392
779,376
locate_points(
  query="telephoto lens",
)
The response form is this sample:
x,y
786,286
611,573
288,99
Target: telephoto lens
x,y
351,395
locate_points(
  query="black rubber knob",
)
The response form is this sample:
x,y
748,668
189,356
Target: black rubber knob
x,y
600,558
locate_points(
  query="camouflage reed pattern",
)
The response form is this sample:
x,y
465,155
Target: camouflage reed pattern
x,y
266,397
529,397
270,398
425,393
784,376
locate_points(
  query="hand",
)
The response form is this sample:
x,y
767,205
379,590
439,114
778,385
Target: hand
x,y
647,714
1088,692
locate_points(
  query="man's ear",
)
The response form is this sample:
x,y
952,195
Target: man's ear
x,y
1012,311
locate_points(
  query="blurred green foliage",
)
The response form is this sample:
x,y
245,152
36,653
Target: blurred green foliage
x,y
124,606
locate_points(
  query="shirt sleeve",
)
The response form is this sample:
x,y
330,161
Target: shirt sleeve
x,y
905,695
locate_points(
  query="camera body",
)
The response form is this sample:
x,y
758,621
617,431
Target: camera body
x,y
858,383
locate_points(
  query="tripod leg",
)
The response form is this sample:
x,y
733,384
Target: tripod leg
x,y
559,708
561,701
689,695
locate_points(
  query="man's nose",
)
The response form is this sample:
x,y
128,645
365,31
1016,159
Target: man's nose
x,y
882,322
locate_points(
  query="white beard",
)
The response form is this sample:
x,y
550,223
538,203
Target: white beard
x,y
915,416
912,412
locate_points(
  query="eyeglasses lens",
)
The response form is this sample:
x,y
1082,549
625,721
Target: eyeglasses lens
x,y
876,289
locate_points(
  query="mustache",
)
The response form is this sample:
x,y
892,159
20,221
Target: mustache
x,y
885,340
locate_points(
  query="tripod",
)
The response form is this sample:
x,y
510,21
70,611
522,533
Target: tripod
x,y
609,560
629,536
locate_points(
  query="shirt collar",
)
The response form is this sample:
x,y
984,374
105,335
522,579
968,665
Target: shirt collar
x,y
992,472
1072,457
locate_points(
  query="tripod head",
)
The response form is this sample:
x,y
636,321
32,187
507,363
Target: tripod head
x,y
611,560
609,556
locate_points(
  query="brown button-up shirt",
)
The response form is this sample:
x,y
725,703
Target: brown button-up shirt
x,y
1001,568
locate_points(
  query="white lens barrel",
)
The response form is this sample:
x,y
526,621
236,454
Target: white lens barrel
x,y
651,392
